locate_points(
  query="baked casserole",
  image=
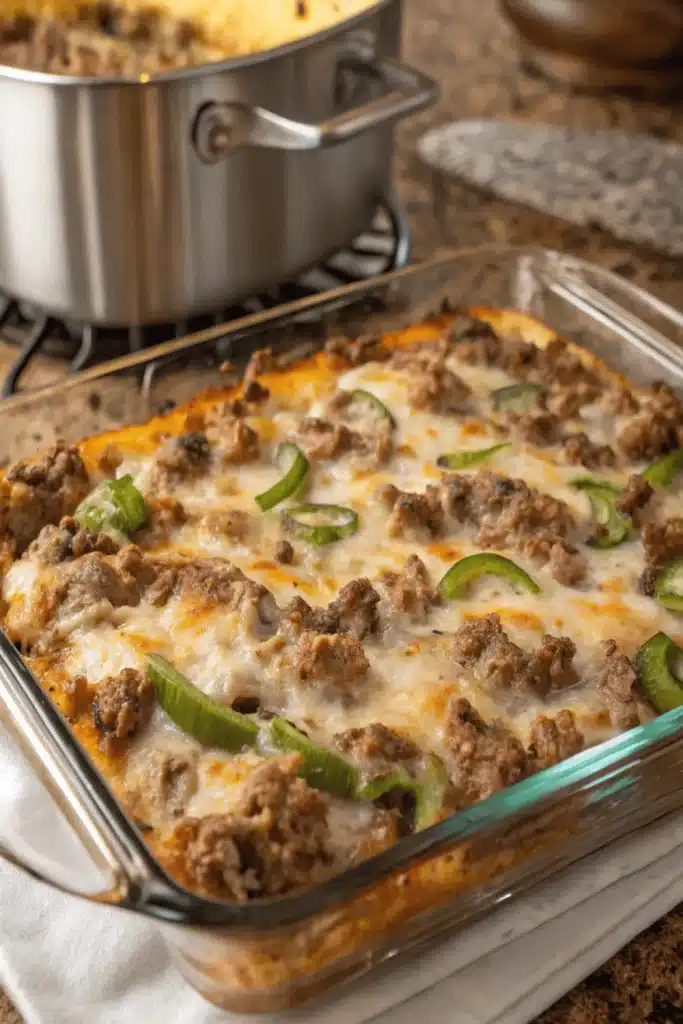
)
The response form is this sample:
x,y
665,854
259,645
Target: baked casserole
x,y
303,616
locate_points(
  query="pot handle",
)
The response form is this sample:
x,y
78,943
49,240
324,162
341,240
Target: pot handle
x,y
221,128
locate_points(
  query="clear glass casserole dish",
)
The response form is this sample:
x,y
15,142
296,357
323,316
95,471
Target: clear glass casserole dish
x,y
269,955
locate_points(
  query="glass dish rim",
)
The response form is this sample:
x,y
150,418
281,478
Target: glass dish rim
x,y
157,895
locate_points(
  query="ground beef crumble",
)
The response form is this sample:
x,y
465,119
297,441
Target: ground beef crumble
x,y
410,591
186,455
55,544
482,759
122,705
354,611
554,739
635,495
377,749
34,494
620,690
483,645
538,428
662,541
580,450
367,348
276,840
330,658
322,440
656,429
413,516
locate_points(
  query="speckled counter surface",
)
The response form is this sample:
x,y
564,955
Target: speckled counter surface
x,y
468,47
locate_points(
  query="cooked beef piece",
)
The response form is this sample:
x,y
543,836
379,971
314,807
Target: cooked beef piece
x,y
663,541
356,351
186,455
254,393
414,516
353,612
378,749
122,705
635,495
567,402
647,436
553,739
284,552
216,582
355,609
580,450
620,401
95,579
409,590
567,564
298,617
559,364
657,429
482,758
482,643
37,493
476,341
277,839
474,637
233,523
539,428
166,514
552,664
160,783
439,390
238,443
321,439
432,385
336,659
55,544
620,690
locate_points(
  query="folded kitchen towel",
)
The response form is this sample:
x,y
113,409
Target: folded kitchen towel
x,y
66,961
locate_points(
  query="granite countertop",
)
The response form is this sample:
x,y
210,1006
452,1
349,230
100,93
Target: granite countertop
x,y
468,47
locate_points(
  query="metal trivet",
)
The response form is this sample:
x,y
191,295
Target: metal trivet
x,y
385,246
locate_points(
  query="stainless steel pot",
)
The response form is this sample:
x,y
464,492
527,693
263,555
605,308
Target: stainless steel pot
x,y
130,202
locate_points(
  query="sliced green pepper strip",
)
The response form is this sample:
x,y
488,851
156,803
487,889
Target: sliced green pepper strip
x,y
517,397
342,522
291,455
653,663
379,787
373,403
613,526
662,472
322,768
113,505
431,794
669,585
196,714
463,572
463,460
429,791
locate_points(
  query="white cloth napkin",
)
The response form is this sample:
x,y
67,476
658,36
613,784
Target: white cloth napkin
x,y
65,961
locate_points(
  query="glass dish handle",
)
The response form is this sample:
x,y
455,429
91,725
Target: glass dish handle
x,y
647,322
94,816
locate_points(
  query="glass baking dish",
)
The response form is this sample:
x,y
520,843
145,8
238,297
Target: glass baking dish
x,y
270,955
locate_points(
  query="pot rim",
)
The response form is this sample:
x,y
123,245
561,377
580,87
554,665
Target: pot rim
x,y
181,74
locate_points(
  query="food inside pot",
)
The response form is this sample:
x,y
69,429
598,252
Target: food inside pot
x,y
127,39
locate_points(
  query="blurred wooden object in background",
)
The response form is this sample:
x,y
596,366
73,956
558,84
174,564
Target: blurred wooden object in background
x,y
607,44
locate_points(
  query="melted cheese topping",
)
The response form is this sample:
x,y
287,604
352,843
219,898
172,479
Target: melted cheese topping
x,y
412,671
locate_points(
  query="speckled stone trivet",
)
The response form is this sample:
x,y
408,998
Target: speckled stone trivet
x,y
630,185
